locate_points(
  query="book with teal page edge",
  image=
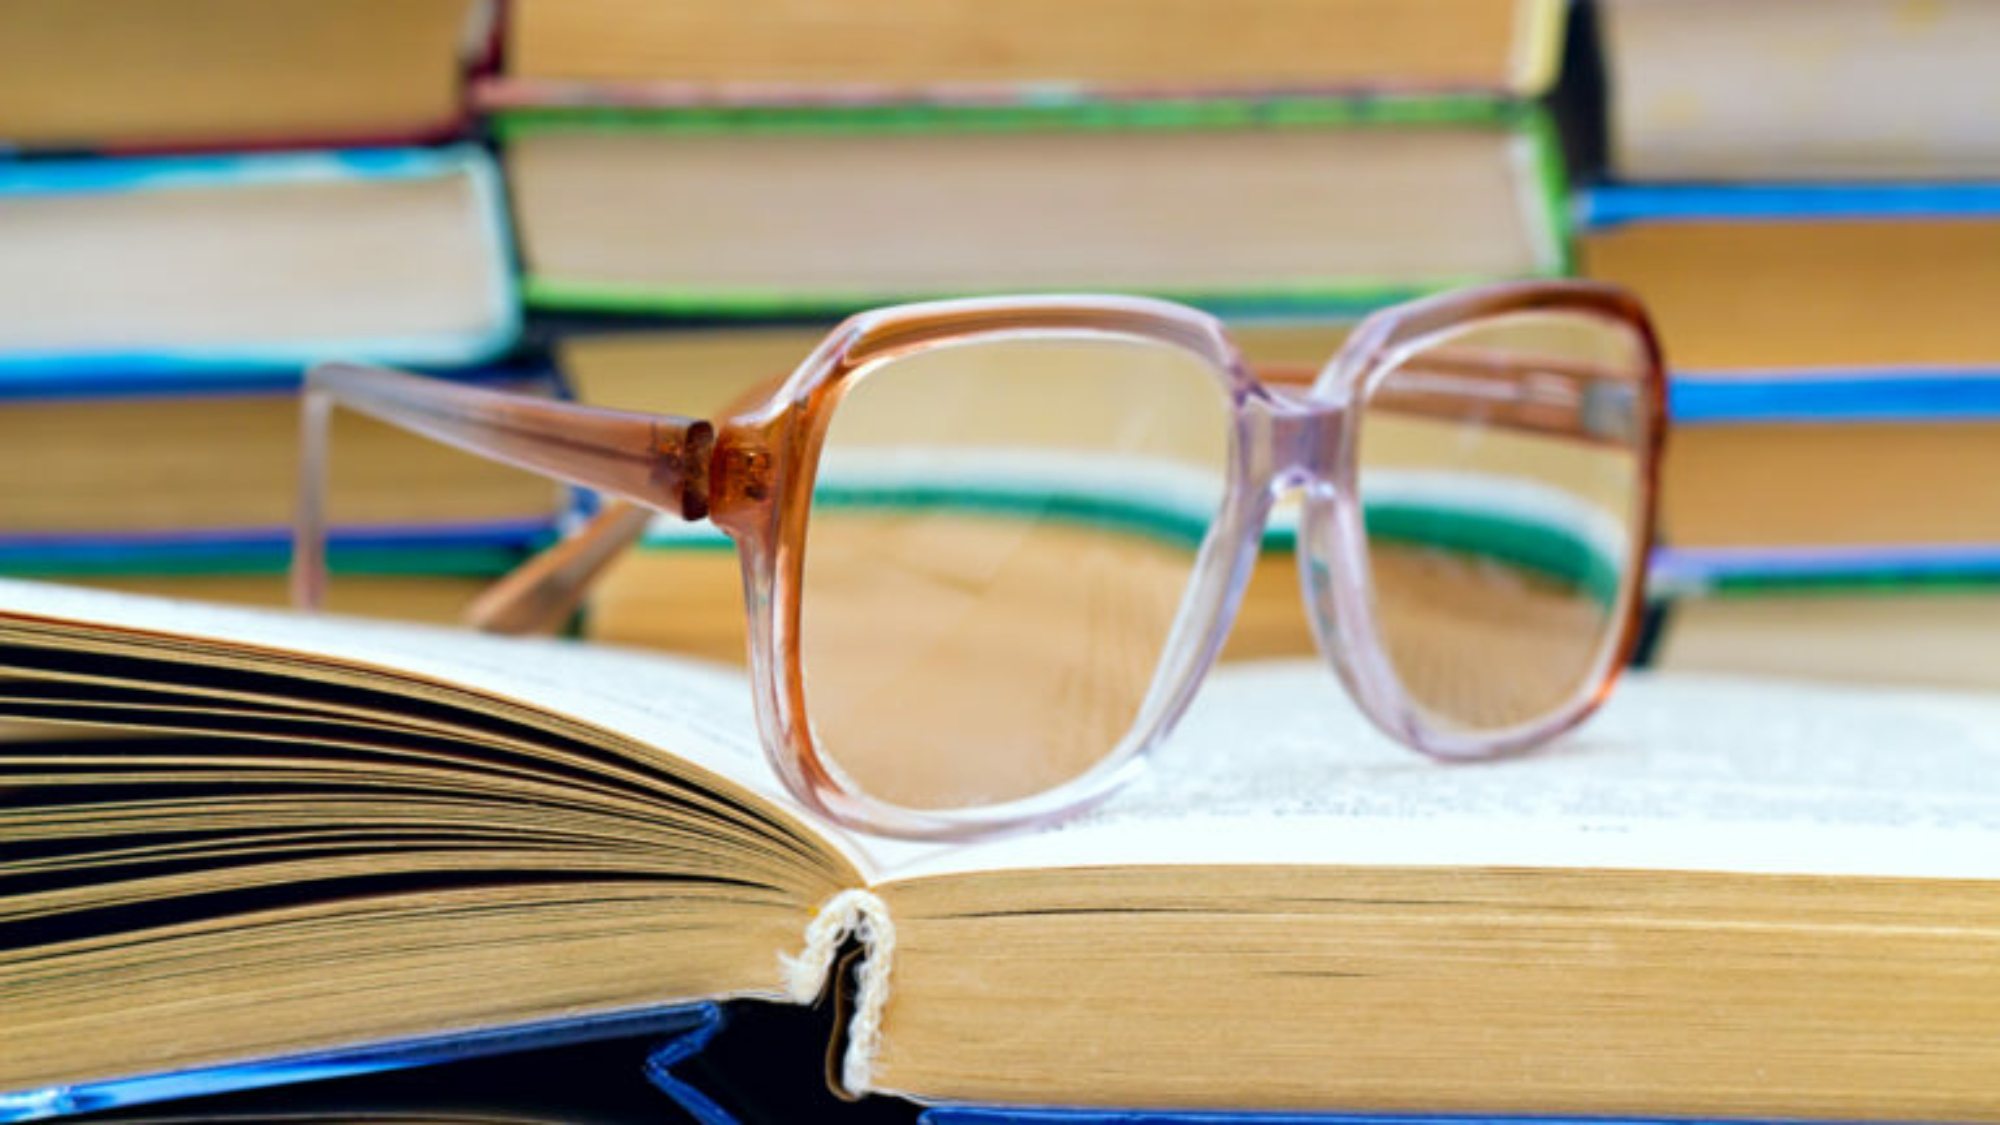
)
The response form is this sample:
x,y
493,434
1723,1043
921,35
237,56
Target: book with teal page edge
x,y
263,361
1543,162
476,549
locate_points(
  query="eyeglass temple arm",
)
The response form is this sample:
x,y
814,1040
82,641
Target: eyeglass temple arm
x,y
658,462
1520,391
540,595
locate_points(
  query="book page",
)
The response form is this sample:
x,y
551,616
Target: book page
x,y
695,715
1273,765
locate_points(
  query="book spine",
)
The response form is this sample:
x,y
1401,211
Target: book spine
x,y
861,916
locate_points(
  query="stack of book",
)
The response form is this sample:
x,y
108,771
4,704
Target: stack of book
x,y
1286,164
313,869
200,199
1807,196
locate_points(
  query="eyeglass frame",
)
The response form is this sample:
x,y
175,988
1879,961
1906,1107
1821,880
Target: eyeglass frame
x,y
752,473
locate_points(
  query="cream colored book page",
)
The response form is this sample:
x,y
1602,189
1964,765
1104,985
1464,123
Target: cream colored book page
x,y
1273,766
689,712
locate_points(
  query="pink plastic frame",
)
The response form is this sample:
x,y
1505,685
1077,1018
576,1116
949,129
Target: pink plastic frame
x,y
752,475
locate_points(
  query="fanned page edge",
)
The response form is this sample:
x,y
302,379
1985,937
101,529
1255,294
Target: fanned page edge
x,y
710,739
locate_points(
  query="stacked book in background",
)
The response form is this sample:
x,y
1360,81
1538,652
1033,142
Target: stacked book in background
x,y
172,255
1807,196
1289,165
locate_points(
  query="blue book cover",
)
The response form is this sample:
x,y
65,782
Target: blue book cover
x,y
685,1029
224,233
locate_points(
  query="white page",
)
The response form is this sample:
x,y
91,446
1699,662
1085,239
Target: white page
x,y
1274,765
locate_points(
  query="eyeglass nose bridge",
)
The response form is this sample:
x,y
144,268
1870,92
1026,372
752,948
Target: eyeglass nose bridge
x,y
1303,443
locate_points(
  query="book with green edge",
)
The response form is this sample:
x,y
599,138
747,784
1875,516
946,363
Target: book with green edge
x,y
1244,206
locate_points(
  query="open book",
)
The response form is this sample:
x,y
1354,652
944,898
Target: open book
x,y
233,835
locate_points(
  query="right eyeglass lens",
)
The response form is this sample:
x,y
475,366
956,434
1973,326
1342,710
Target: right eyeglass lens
x,y
1501,473
1002,540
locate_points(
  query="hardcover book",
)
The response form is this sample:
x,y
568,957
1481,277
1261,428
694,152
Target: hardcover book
x,y
187,471
1705,90
1313,206
259,264
1036,49
126,75
1833,461
1758,278
236,836
1908,614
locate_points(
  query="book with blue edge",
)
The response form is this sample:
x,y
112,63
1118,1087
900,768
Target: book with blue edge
x,y
236,836
1836,411
160,313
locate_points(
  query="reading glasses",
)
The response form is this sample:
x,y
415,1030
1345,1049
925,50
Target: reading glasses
x,y
990,547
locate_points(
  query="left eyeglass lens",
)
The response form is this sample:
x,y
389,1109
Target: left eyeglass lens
x,y
1001,540
1502,469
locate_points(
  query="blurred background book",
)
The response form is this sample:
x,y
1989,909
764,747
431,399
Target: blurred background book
x,y
1807,197
116,75
157,311
719,165
659,206
909,50
666,205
